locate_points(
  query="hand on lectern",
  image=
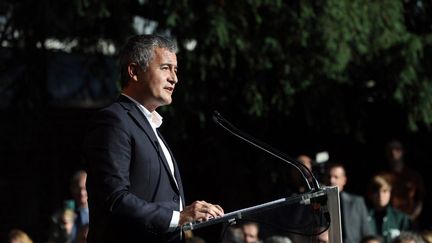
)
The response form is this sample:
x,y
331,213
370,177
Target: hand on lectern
x,y
200,211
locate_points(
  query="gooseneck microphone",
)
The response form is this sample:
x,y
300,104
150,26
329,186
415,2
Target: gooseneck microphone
x,y
218,119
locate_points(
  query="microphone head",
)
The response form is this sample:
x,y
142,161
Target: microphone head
x,y
216,116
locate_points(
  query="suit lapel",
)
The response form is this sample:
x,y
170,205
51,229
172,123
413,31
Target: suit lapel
x,y
176,169
144,124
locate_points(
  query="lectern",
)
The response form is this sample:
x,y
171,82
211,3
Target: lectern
x,y
308,214
305,214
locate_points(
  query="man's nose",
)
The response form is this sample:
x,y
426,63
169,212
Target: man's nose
x,y
173,78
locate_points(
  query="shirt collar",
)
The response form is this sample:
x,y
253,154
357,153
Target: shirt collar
x,y
153,117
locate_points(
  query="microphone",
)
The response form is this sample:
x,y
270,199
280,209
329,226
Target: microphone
x,y
221,121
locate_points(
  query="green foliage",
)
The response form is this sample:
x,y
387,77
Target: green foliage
x,y
260,57
272,51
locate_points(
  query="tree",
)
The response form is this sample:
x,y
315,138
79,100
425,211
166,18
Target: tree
x,y
258,56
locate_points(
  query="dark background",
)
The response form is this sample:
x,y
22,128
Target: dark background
x,y
40,156
342,76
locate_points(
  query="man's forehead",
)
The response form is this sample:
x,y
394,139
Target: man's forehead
x,y
165,53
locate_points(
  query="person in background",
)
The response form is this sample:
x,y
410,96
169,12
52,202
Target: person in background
x,y
250,232
298,184
323,237
79,194
233,234
427,236
62,224
384,219
372,239
278,239
408,187
408,237
18,236
82,234
354,214
67,222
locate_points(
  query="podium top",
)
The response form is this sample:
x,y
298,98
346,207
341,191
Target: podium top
x,y
305,199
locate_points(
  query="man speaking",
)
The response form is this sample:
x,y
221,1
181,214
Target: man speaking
x,y
134,186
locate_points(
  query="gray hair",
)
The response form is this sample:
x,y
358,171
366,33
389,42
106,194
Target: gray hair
x,y
278,239
140,49
408,236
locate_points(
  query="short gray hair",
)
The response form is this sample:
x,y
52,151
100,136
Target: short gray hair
x,y
140,49
278,239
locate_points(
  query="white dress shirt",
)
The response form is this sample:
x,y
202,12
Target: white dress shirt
x,y
155,121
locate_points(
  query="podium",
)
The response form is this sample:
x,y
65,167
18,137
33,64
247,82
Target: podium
x,y
307,214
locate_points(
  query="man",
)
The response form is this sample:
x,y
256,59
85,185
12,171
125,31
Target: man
x,y
353,208
408,189
67,222
250,232
323,237
79,194
134,186
384,219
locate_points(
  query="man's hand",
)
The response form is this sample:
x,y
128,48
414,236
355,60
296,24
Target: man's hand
x,y
200,211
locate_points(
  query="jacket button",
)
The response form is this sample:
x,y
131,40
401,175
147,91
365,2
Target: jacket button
x,y
175,199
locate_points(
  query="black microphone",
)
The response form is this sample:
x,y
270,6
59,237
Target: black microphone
x,y
218,119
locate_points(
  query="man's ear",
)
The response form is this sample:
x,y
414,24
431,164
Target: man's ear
x,y
133,69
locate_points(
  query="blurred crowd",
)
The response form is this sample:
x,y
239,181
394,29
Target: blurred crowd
x,y
388,212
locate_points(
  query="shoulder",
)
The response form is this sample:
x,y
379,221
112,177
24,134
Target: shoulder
x,y
112,113
354,197
107,121
397,213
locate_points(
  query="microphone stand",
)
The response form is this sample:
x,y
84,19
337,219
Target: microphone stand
x,y
218,119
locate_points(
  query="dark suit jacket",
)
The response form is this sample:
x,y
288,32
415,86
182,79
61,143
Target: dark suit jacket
x,y
354,218
132,193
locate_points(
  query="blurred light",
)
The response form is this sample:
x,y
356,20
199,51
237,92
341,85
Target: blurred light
x,y
144,26
5,43
190,45
370,83
2,20
106,47
55,44
322,157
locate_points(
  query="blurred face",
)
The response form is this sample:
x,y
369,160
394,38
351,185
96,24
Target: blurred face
x,y
79,191
395,155
337,177
156,83
381,198
394,150
306,161
323,237
250,232
372,241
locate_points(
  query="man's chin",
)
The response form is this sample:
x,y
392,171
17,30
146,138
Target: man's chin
x,y
166,101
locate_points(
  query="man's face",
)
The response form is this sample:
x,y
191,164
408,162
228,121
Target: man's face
x,y
158,80
250,232
79,192
382,198
306,161
337,177
323,237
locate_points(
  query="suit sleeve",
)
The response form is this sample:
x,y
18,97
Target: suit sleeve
x,y
365,227
108,149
